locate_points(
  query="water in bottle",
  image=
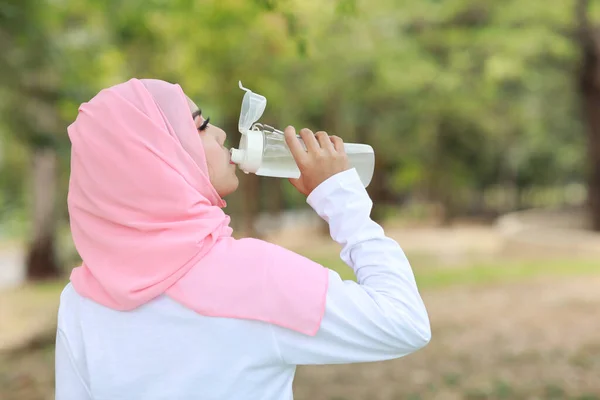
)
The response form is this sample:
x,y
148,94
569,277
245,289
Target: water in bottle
x,y
263,150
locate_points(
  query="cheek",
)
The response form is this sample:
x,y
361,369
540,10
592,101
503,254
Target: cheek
x,y
215,158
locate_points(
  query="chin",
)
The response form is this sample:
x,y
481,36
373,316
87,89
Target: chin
x,y
229,188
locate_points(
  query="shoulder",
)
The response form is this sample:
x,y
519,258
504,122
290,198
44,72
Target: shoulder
x,y
262,250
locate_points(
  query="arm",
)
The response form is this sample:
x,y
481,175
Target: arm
x,y
69,384
381,316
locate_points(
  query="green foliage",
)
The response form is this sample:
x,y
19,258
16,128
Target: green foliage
x,y
455,95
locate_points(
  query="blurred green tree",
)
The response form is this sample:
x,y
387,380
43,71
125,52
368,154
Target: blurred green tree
x,y
32,90
589,87
458,97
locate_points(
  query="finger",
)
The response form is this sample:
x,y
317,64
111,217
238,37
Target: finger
x,y
338,144
310,141
294,144
324,141
297,183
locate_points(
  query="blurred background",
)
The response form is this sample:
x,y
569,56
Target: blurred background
x,y
485,120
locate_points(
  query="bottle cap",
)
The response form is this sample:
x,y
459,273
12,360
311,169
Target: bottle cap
x,y
249,154
253,107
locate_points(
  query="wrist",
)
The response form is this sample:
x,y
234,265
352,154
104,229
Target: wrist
x,y
345,180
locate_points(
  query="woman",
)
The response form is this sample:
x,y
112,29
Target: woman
x,y
167,305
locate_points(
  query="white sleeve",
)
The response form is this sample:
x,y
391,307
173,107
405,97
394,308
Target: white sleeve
x,y
68,382
380,317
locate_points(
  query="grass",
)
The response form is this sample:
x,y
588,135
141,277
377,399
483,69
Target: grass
x,y
428,273
27,312
29,375
481,273
30,303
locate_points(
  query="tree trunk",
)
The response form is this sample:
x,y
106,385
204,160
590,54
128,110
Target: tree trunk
x,y
589,86
251,206
448,209
377,190
590,91
594,182
591,105
274,193
41,256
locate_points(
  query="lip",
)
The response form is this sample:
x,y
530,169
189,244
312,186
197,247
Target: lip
x,y
229,157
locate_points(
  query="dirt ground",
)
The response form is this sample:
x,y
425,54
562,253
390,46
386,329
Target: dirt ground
x,y
451,243
537,339
533,340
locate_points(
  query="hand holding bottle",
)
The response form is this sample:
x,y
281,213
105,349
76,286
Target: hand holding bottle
x,y
324,157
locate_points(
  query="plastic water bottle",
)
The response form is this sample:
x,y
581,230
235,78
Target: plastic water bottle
x,y
263,150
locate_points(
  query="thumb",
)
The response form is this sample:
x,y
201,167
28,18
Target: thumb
x,y
295,182
298,184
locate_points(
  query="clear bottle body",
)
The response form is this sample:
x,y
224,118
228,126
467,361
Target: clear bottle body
x,y
277,160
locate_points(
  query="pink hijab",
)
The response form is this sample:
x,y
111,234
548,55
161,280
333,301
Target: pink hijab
x,y
146,220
